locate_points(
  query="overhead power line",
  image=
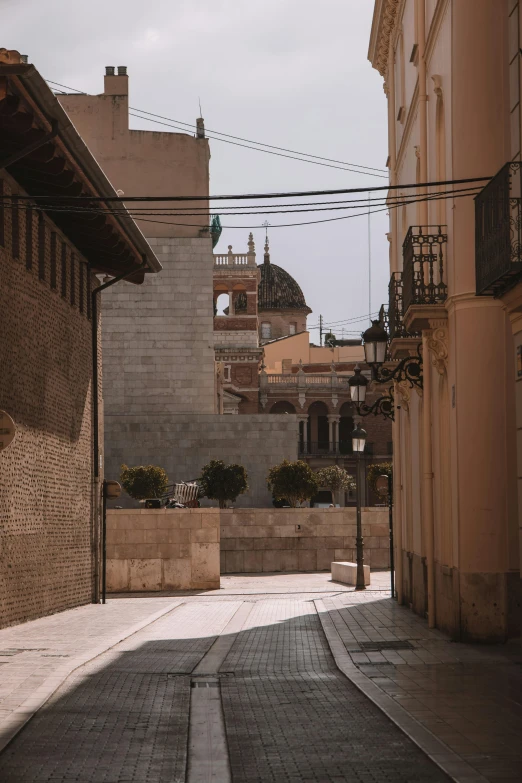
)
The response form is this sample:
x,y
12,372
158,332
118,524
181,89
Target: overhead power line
x,y
180,212
318,160
90,210
268,151
255,196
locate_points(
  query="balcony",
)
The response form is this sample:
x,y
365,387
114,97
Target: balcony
x,y
328,381
395,307
424,289
498,233
325,449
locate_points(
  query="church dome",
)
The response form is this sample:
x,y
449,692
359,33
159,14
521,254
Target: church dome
x,y
277,289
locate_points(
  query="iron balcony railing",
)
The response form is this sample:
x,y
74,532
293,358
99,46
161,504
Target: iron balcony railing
x,y
423,266
498,232
395,307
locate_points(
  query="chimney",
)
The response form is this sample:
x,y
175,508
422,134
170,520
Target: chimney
x,y
200,128
24,58
116,83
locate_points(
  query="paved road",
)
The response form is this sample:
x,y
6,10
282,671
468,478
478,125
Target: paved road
x,y
288,712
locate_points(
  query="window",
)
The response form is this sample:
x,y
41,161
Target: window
x,y
226,374
81,286
73,279
292,329
41,248
266,331
29,239
64,270
15,228
53,259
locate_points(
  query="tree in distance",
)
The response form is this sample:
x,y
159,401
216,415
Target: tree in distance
x,y
223,482
336,479
292,481
144,481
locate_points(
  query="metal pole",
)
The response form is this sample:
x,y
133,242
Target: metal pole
x,y
104,542
390,521
360,584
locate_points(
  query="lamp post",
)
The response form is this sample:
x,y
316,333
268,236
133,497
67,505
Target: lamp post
x,y
358,443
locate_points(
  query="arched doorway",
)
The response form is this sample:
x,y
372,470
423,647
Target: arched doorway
x,y
318,433
346,426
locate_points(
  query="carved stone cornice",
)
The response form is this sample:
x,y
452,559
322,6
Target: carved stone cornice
x,y
384,17
438,345
403,394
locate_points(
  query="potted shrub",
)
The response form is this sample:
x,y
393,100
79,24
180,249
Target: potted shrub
x,y
222,482
294,482
144,482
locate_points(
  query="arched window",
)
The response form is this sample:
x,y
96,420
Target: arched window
x,y
282,406
222,304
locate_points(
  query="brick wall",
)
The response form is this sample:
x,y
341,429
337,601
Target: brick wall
x,y
300,539
45,386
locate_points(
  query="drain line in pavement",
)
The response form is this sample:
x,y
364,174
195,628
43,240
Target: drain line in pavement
x,y
208,760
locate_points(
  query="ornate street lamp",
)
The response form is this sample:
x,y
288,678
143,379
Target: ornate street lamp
x,y
358,443
375,340
383,406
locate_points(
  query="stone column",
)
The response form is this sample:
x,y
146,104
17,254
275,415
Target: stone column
x,y
231,309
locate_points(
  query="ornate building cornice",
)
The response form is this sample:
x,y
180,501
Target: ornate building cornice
x,y
384,17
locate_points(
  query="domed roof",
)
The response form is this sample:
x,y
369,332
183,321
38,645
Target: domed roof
x,y
277,289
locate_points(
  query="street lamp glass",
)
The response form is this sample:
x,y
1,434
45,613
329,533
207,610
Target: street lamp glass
x,y
375,340
358,384
358,439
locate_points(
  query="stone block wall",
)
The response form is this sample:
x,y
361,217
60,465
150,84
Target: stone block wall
x,y
162,549
183,444
300,539
46,498
158,341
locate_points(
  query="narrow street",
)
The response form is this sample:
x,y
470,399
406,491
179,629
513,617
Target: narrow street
x,y
238,684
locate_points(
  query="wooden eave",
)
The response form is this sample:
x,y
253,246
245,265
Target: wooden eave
x,y
111,244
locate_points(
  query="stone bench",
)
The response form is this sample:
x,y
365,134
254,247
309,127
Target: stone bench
x,y
347,573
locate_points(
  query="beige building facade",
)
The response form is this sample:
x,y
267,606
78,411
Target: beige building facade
x,y
451,77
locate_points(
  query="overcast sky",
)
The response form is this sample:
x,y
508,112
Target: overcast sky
x,y
291,73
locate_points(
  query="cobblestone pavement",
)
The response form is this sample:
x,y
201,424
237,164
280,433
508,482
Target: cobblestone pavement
x,y
289,712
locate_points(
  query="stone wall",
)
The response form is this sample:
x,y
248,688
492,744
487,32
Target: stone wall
x,y
158,341
163,549
300,539
183,444
46,504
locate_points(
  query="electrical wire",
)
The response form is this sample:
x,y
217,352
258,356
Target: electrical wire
x,y
168,120
268,152
323,206
140,212
255,196
50,208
